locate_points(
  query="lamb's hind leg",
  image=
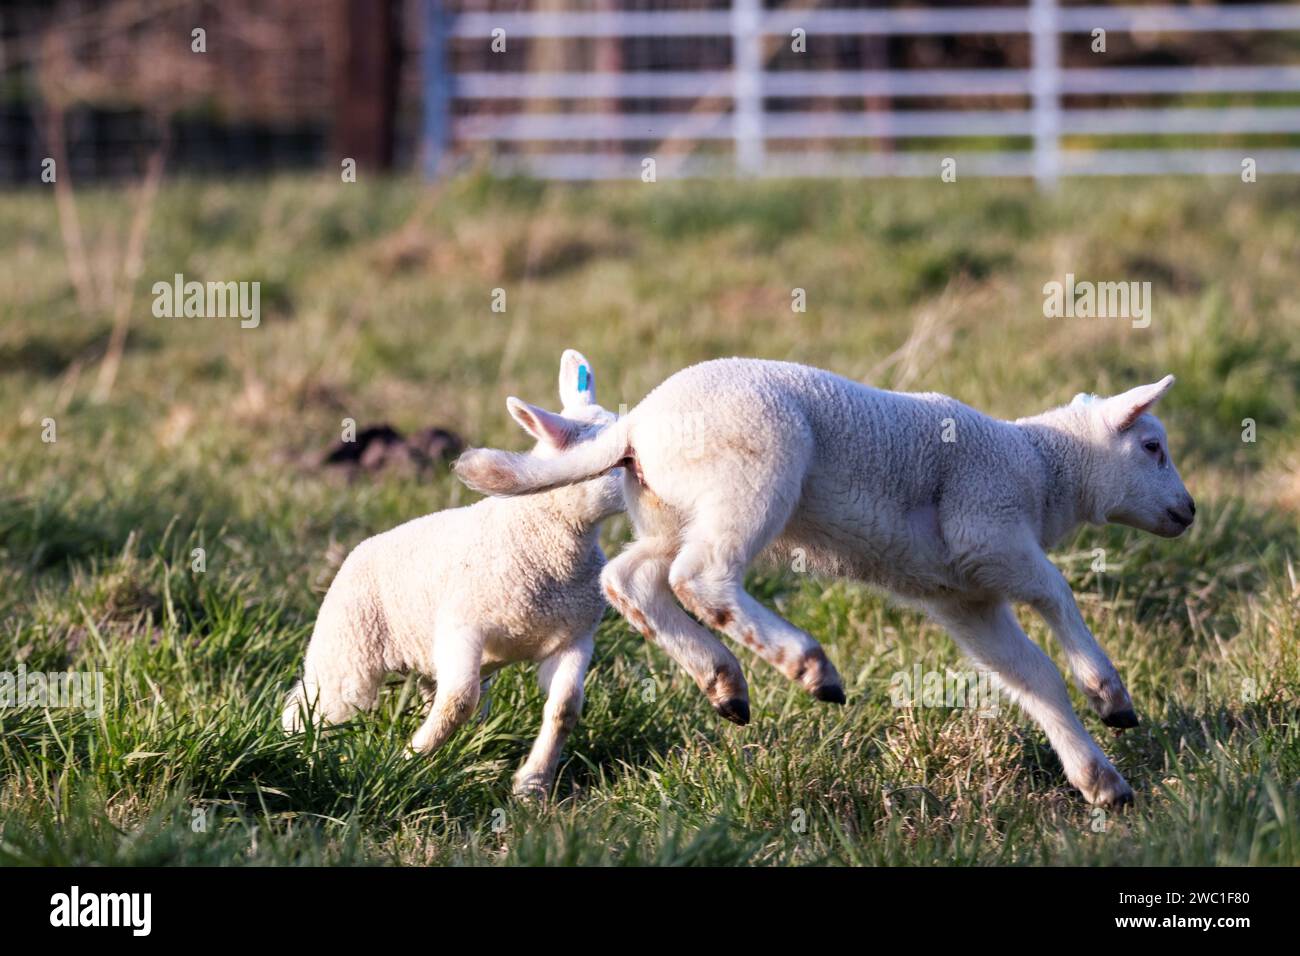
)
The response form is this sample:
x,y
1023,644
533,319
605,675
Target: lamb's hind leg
x,y
990,634
636,584
708,578
342,673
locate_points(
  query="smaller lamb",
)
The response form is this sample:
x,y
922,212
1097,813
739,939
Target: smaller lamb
x,y
454,596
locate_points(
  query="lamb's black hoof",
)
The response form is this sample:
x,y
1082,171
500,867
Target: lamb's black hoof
x,y
831,694
1121,719
735,710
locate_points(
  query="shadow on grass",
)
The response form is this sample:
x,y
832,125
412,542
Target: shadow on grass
x,y
48,355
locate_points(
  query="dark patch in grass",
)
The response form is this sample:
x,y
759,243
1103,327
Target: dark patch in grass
x,y
40,536
275,297
1010,215
1146,267
49,355
936,270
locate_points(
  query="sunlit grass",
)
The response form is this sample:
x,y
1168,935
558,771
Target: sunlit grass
x,y
377,307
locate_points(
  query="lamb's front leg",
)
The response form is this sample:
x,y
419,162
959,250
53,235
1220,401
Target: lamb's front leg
x,y
457,657
1039,584
990,634
428,688
560,676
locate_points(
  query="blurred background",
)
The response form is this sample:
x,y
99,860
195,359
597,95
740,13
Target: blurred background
x,y
587,90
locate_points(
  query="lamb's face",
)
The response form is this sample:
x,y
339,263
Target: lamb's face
x,y
1134,481
1144,489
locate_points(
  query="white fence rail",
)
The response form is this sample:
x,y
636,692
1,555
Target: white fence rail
x,y
749,126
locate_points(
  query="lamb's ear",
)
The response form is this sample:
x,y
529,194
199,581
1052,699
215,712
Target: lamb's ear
x,y
1121,411
545,426
577,384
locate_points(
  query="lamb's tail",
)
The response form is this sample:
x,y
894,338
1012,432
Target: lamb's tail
x,y
504,473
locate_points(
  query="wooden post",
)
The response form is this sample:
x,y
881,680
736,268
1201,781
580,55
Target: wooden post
x,y
364,76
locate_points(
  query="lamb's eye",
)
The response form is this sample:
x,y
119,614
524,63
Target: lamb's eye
x,y
1152,446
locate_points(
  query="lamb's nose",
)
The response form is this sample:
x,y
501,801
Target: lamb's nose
x,y
1186,516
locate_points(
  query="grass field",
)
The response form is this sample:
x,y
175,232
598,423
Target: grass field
x,y
376,306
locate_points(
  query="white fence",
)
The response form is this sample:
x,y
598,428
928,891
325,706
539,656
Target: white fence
x,y
749,126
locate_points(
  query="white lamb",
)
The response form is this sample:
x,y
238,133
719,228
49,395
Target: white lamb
x,y
947,508
455,595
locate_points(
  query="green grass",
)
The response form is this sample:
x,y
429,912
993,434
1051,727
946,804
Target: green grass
x,y
376,306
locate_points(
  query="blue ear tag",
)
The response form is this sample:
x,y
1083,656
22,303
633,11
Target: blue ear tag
x,y
582,378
